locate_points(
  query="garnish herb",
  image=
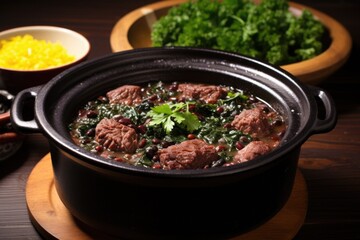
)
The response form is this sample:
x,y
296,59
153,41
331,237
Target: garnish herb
x,y
170,114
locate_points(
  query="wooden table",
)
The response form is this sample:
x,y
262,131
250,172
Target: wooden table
x,y
329,162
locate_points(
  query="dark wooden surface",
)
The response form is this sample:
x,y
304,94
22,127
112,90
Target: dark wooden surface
x,y
329,162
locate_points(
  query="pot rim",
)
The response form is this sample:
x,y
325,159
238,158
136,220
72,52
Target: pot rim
x,y
93,160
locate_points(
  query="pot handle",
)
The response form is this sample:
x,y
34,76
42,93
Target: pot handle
x,y
327,121
18,109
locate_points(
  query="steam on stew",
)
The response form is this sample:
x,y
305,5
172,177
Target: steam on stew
x,y
178,126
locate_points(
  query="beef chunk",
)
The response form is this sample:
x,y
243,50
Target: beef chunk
x,y
249,152
253,122
190,154
127,95
206,93
115,136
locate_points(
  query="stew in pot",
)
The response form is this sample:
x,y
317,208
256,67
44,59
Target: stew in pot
x,y
178,126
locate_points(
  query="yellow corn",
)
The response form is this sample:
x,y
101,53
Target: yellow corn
x,y
27,53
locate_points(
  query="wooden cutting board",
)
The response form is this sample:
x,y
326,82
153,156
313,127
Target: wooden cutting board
x,y
52,219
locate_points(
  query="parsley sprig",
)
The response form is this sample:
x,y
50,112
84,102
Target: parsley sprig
x,y
174,114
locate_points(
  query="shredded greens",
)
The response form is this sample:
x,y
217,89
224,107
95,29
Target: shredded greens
x,y
267,31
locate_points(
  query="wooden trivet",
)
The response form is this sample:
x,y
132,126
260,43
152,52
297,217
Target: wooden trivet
x,y
52,219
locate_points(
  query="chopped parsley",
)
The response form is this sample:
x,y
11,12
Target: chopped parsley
x,y
267,31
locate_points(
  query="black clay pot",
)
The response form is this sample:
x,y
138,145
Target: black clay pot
x,y
134,202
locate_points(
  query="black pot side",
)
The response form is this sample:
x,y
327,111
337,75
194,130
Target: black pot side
x,y
116,206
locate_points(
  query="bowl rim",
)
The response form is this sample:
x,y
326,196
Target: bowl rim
x,y
311,71
22,30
